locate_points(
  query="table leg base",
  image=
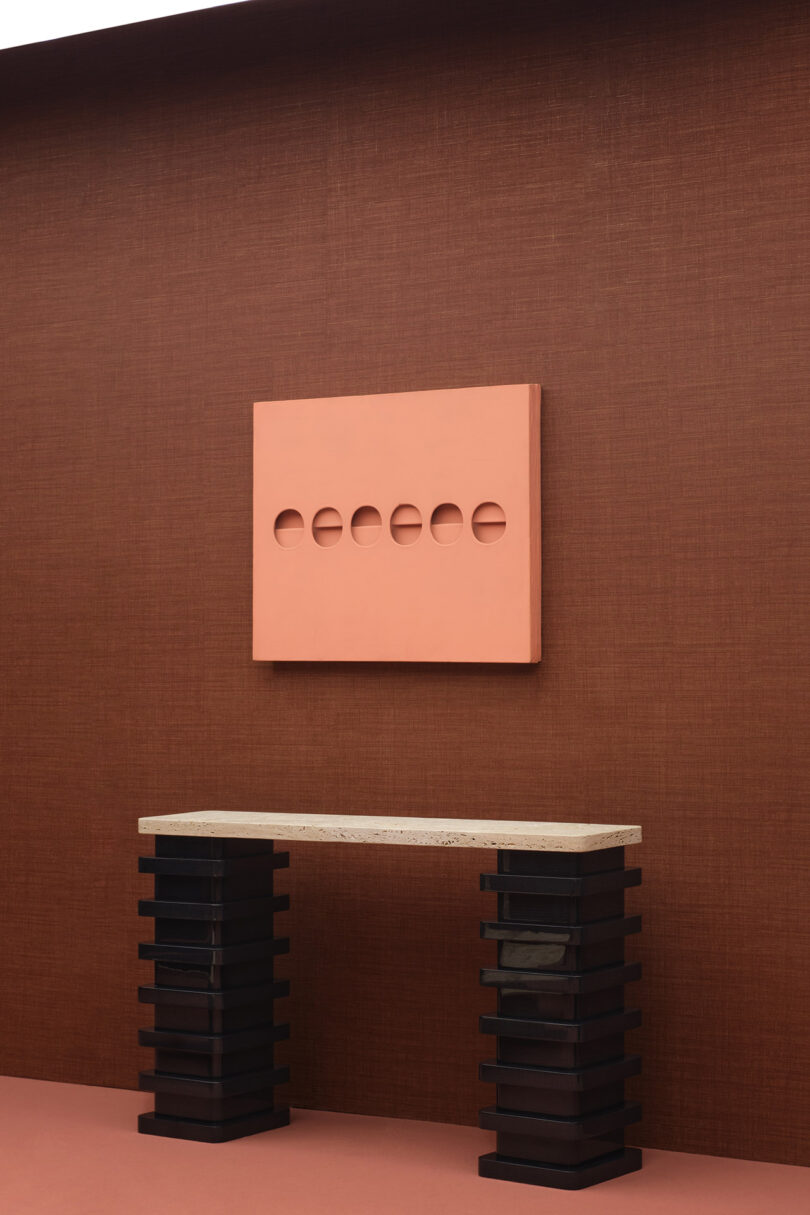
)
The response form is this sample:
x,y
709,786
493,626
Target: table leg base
x,y
215,949
579,1177
212,1132
560,1114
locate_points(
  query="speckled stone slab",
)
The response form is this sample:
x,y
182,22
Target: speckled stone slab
x,y
380,829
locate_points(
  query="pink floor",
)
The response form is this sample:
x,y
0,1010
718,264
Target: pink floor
x,y
70,1150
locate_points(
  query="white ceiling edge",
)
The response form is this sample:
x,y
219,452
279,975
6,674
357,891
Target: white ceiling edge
x,y
45,20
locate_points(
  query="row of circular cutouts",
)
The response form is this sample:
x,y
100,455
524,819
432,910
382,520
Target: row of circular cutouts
x,y
405,525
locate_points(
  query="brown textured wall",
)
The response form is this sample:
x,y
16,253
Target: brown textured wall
x,y
279,201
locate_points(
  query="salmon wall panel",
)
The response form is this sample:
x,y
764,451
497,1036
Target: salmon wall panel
x,y
418,533
281,201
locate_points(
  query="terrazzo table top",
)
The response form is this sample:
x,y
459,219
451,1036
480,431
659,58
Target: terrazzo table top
x,y
382,829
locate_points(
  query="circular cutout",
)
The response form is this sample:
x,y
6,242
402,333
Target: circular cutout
x,y
446,523
488,522
366,525
327,527
406,524
288,528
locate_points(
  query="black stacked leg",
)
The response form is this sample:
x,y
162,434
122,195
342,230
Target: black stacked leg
x,y
560,1067
215,989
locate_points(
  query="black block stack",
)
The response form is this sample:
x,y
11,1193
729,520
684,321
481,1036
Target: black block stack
x,y
215,988
560,1112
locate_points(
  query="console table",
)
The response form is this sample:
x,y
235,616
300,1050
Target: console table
x,y
559,1067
